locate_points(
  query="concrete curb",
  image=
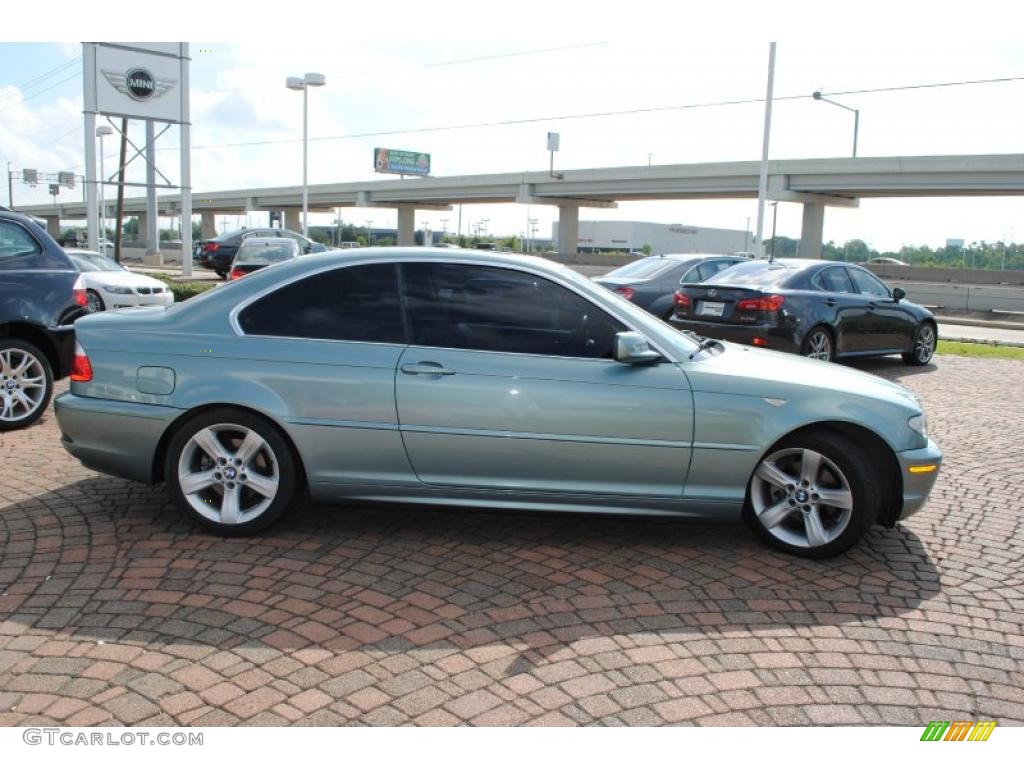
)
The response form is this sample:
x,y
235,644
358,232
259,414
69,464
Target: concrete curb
x,y
1008,326
987,342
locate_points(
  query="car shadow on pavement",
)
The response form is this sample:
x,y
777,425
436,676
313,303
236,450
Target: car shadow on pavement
x,y
891,367
109,560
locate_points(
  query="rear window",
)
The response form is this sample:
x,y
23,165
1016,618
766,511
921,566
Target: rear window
x,y
264,254
756,274
644,268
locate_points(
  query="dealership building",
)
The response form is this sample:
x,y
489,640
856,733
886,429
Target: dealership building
x,y
603,236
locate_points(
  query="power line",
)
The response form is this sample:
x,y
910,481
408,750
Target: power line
x,y
14,102
48,74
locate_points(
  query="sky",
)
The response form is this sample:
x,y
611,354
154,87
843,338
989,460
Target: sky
x,y
420,67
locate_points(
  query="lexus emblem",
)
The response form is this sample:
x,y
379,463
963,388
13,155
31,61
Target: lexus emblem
x,y
138,83
712,292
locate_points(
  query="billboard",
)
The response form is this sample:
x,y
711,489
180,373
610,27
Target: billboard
x,y
147,81
401,161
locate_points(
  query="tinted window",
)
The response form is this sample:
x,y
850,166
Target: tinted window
x,y
757,273
464,306
869,284
254,253
644,268
19,250
711,268
833,280
351,304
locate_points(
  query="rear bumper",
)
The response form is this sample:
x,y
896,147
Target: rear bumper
x,y
112,436
773,336
917,485
63,338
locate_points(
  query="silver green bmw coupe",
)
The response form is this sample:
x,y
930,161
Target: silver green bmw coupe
x,y
466,378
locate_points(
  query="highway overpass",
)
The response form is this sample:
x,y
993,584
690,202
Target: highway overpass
x,y
816,183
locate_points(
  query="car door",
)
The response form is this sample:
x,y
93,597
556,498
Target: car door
x,y
325,349
844,307
892,324
509,384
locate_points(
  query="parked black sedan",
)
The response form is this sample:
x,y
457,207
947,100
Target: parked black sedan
x,y
820,309
650,282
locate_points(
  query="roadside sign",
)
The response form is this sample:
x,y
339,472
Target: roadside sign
x,y
66,179
401,161
30,176
553,139
55,189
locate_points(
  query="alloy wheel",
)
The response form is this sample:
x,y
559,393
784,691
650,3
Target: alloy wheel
x,y
924,345
95,303
819,346
22,384
801,497
228,473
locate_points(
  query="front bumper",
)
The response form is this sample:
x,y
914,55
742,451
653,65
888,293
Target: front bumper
x,y
772,336
918,484
113,436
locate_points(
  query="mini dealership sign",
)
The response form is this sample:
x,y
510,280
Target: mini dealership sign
x,y
137,80
401,161
138,83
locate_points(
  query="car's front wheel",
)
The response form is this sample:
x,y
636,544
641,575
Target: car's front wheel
x,y
26,384
815,494
924,346
231,471
95,301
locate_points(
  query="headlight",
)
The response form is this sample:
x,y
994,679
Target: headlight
x,y
120,290
919,424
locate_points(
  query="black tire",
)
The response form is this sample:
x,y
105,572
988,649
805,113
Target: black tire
x,y
15,350
810,346
867,482
221,274
96,303
925,340
181,451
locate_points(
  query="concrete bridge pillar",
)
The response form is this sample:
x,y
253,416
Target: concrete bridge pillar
x,y
293,219
406,225
811,230
53,226
568,231
208,228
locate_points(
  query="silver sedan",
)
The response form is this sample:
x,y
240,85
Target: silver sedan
x,y
459,377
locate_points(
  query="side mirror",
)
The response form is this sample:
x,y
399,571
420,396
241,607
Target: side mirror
x,y
632,348
307,248
898,293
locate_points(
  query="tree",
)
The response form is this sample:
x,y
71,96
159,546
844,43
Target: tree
x,y
646,248
131,227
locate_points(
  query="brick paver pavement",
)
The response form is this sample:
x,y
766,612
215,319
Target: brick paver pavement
x,y
113,609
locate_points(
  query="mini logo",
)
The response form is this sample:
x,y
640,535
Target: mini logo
x,y
138,83
960,730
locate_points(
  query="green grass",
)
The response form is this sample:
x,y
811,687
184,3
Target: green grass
x,y
181,291
964,349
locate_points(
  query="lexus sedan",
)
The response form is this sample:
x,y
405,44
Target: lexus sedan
x,y
478,379
111,286
821,309
651,282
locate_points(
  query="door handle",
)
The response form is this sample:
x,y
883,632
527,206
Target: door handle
x,y
830,302
427,369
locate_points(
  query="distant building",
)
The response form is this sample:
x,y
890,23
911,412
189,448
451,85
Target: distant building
x,y
601,236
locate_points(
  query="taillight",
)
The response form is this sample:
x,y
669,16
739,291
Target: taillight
x,y
625,292
81,369
681,300
237,273
762,304
208,247
78,294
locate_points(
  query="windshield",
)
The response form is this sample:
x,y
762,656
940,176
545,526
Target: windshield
x,y
264,254
755,274
644,268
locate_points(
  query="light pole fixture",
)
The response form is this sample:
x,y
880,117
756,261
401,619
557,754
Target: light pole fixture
x,y
304,83
856,115
101,131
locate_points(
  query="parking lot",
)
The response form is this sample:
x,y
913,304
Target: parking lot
x,y
115,610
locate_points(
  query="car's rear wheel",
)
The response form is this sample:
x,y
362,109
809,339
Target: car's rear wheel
x,y
818,344
222,274
95,301
815,494
26,384
231,471
924,346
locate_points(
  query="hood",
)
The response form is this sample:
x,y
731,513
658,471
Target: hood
x,y
129,279
743,370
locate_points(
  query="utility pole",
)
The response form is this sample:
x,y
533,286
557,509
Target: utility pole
x,y
762,185
10,187
120,191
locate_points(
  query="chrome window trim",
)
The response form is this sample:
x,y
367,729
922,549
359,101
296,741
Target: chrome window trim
x,y
244,303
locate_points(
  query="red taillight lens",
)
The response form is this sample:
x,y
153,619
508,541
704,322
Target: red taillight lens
x,y
237,273
78,294
81,369
208,247
762,304
625,292
759,342
681,300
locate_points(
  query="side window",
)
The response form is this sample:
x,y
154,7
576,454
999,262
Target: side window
x,y
833,280
19,250
348,304
692,276
463,306
711,268
869,284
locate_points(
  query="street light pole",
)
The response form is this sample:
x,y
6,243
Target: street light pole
x,y
309,80
103,130
856,116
